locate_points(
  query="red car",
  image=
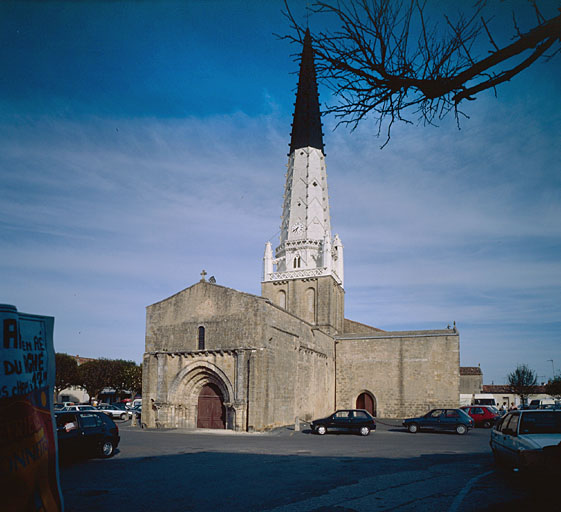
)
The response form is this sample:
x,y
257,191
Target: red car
x,y
483,415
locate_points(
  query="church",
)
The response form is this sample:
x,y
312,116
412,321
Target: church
x,y
219,358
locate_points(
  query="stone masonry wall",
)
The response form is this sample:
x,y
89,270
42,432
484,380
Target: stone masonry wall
x,y
329,308
407,372
230,319
295,375
470,384
274,365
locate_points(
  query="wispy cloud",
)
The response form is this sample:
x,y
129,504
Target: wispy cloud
x,y
102,217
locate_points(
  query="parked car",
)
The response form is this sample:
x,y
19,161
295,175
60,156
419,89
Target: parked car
x,y
441,419
483,415
113,411
87,433
528,439
356,421
79,408
539,403
137,410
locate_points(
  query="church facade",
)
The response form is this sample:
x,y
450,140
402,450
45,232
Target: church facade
x,y
219,358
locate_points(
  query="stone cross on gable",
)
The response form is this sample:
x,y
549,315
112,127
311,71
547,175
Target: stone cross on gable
x,y
203,274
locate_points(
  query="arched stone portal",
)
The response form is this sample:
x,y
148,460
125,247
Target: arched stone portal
x,y
366,401
201,396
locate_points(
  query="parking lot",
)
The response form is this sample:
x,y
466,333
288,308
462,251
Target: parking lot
x,y
290,471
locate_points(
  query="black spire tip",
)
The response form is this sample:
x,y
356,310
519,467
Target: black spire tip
x,y
306,128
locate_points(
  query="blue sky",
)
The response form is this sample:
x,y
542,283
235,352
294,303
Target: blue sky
x,y
141,142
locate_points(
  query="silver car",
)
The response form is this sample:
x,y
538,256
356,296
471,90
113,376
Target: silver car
x,y
528,439
75,408
113,411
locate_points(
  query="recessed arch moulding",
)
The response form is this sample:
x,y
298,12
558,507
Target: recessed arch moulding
x,y
175,401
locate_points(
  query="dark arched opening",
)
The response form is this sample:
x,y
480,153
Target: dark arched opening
x,y
367,402
201,338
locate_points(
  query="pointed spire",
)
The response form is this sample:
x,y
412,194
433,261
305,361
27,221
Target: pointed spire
x,y
306,127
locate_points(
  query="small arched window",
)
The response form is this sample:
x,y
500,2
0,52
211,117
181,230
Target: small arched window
x,y
311,305
201,338
282,299
297,262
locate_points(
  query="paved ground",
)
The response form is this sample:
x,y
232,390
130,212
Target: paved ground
x,y
287,471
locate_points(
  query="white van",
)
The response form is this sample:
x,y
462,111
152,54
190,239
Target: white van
x,y
484,399
538,403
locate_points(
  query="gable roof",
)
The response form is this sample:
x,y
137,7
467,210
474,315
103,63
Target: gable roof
x,y
504,388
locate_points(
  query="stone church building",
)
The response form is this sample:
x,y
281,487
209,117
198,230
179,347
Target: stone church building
x,y
219,358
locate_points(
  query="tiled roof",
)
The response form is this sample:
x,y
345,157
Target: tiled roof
x,y
503,388
470,370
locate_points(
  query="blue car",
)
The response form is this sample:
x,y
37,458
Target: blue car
x,y
440,419
356,421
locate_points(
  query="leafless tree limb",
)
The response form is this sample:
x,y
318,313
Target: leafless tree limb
x,y
386,59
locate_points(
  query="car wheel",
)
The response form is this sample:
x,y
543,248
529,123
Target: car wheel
x,y
364,431
487,424
321,430
461,429
123,416
413,428
107,449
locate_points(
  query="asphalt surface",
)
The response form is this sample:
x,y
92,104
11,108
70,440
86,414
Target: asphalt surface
x,y
290,471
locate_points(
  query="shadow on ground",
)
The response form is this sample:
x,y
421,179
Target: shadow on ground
x,y
216,481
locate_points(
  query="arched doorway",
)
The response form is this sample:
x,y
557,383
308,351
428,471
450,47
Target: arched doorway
x,y
366,401
211,412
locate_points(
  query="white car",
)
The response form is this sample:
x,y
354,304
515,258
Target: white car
x,y
78,408
528,439
113,411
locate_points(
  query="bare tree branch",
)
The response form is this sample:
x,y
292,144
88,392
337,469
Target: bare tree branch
x,y
386,59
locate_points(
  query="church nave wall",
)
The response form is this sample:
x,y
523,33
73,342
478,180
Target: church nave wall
x,y
408,373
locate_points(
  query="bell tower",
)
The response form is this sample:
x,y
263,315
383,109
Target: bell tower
x,y
304,275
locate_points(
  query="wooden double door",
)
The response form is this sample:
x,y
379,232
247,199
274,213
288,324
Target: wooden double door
x,y
367,402
211,412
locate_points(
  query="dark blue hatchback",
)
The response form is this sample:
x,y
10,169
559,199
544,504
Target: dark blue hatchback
x,y
356,421
441,419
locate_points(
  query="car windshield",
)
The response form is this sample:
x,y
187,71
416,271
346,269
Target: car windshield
x,y
493,409
540,423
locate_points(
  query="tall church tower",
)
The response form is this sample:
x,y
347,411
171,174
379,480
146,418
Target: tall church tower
x,y
305,273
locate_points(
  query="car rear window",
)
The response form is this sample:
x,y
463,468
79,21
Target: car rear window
x,y
452,413
361,415
540,423
512,424
64,419
90,420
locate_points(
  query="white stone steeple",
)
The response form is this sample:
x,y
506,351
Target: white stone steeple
x,y
306,247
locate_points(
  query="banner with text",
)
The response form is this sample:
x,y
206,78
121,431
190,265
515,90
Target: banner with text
x,y
28,442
